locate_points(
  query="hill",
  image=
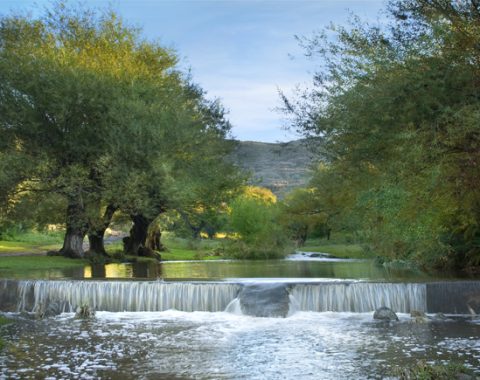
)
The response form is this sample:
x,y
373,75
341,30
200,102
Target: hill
x,y
280,167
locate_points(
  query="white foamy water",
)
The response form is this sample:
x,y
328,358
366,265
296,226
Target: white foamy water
x,y
205,345
341,296
316,256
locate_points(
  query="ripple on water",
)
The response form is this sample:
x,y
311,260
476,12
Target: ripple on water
x,y
205,345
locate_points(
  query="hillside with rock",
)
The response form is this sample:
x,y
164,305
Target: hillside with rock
x,y
280,167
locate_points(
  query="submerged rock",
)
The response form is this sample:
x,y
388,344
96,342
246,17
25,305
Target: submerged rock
x,y
84,311
385,314
264,300
418,316
51,309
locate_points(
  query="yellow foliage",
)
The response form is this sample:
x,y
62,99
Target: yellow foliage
x,y
261,193
221,235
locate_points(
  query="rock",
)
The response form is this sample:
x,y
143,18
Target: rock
x,y
265,300
418,317
417,313
419,320
440,316
51,309
84,311
385,314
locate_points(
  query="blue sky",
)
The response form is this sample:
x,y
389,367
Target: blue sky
x,y
241,51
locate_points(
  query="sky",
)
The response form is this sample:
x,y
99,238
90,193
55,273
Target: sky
x,y
240,51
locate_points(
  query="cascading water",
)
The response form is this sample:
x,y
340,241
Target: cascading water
x,y
260,299
360,297
255,299
125,296
136,334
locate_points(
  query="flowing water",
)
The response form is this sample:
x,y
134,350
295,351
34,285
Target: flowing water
x,y
219,345
292,319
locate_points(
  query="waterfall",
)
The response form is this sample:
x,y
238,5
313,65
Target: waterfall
x,y
260,299
125,295
359,297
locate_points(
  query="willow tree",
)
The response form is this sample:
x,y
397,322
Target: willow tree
x,y
79,89
396,108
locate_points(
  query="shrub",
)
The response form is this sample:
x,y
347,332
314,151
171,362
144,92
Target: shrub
x,y
260,236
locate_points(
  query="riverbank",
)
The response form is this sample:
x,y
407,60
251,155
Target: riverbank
x,y
339,250
28,252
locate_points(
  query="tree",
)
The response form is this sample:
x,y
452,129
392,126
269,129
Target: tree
x,y
102,116
304,215
254,216
396,110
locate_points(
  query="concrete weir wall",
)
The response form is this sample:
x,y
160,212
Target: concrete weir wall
x,y
260,299
453,297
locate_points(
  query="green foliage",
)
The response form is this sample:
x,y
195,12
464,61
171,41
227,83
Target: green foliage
x,y
396,111
425,371
260,235
303,215
95,118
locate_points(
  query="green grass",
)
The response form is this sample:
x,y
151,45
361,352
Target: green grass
x,y
188,254
31,242
187,249
179,249
18,246
25,263
344,251
116,246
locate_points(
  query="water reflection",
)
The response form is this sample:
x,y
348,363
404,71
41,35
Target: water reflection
x,y
217,270
123,270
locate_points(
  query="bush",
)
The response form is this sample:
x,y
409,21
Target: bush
x,y
260,236
425,371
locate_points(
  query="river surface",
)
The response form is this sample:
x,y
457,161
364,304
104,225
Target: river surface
x,y
175,344
292,268
200,345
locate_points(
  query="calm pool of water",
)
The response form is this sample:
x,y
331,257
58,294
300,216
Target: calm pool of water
x,y
219,270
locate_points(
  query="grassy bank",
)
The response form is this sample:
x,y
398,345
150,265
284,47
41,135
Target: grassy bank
x,y
33,242
341,250
17,265
180,249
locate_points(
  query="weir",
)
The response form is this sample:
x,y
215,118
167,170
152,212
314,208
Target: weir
x,y
256,299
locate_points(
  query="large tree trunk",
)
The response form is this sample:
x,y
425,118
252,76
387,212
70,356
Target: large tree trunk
x,y
153,238
96,235
138,235
136,243
75,232
95,242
